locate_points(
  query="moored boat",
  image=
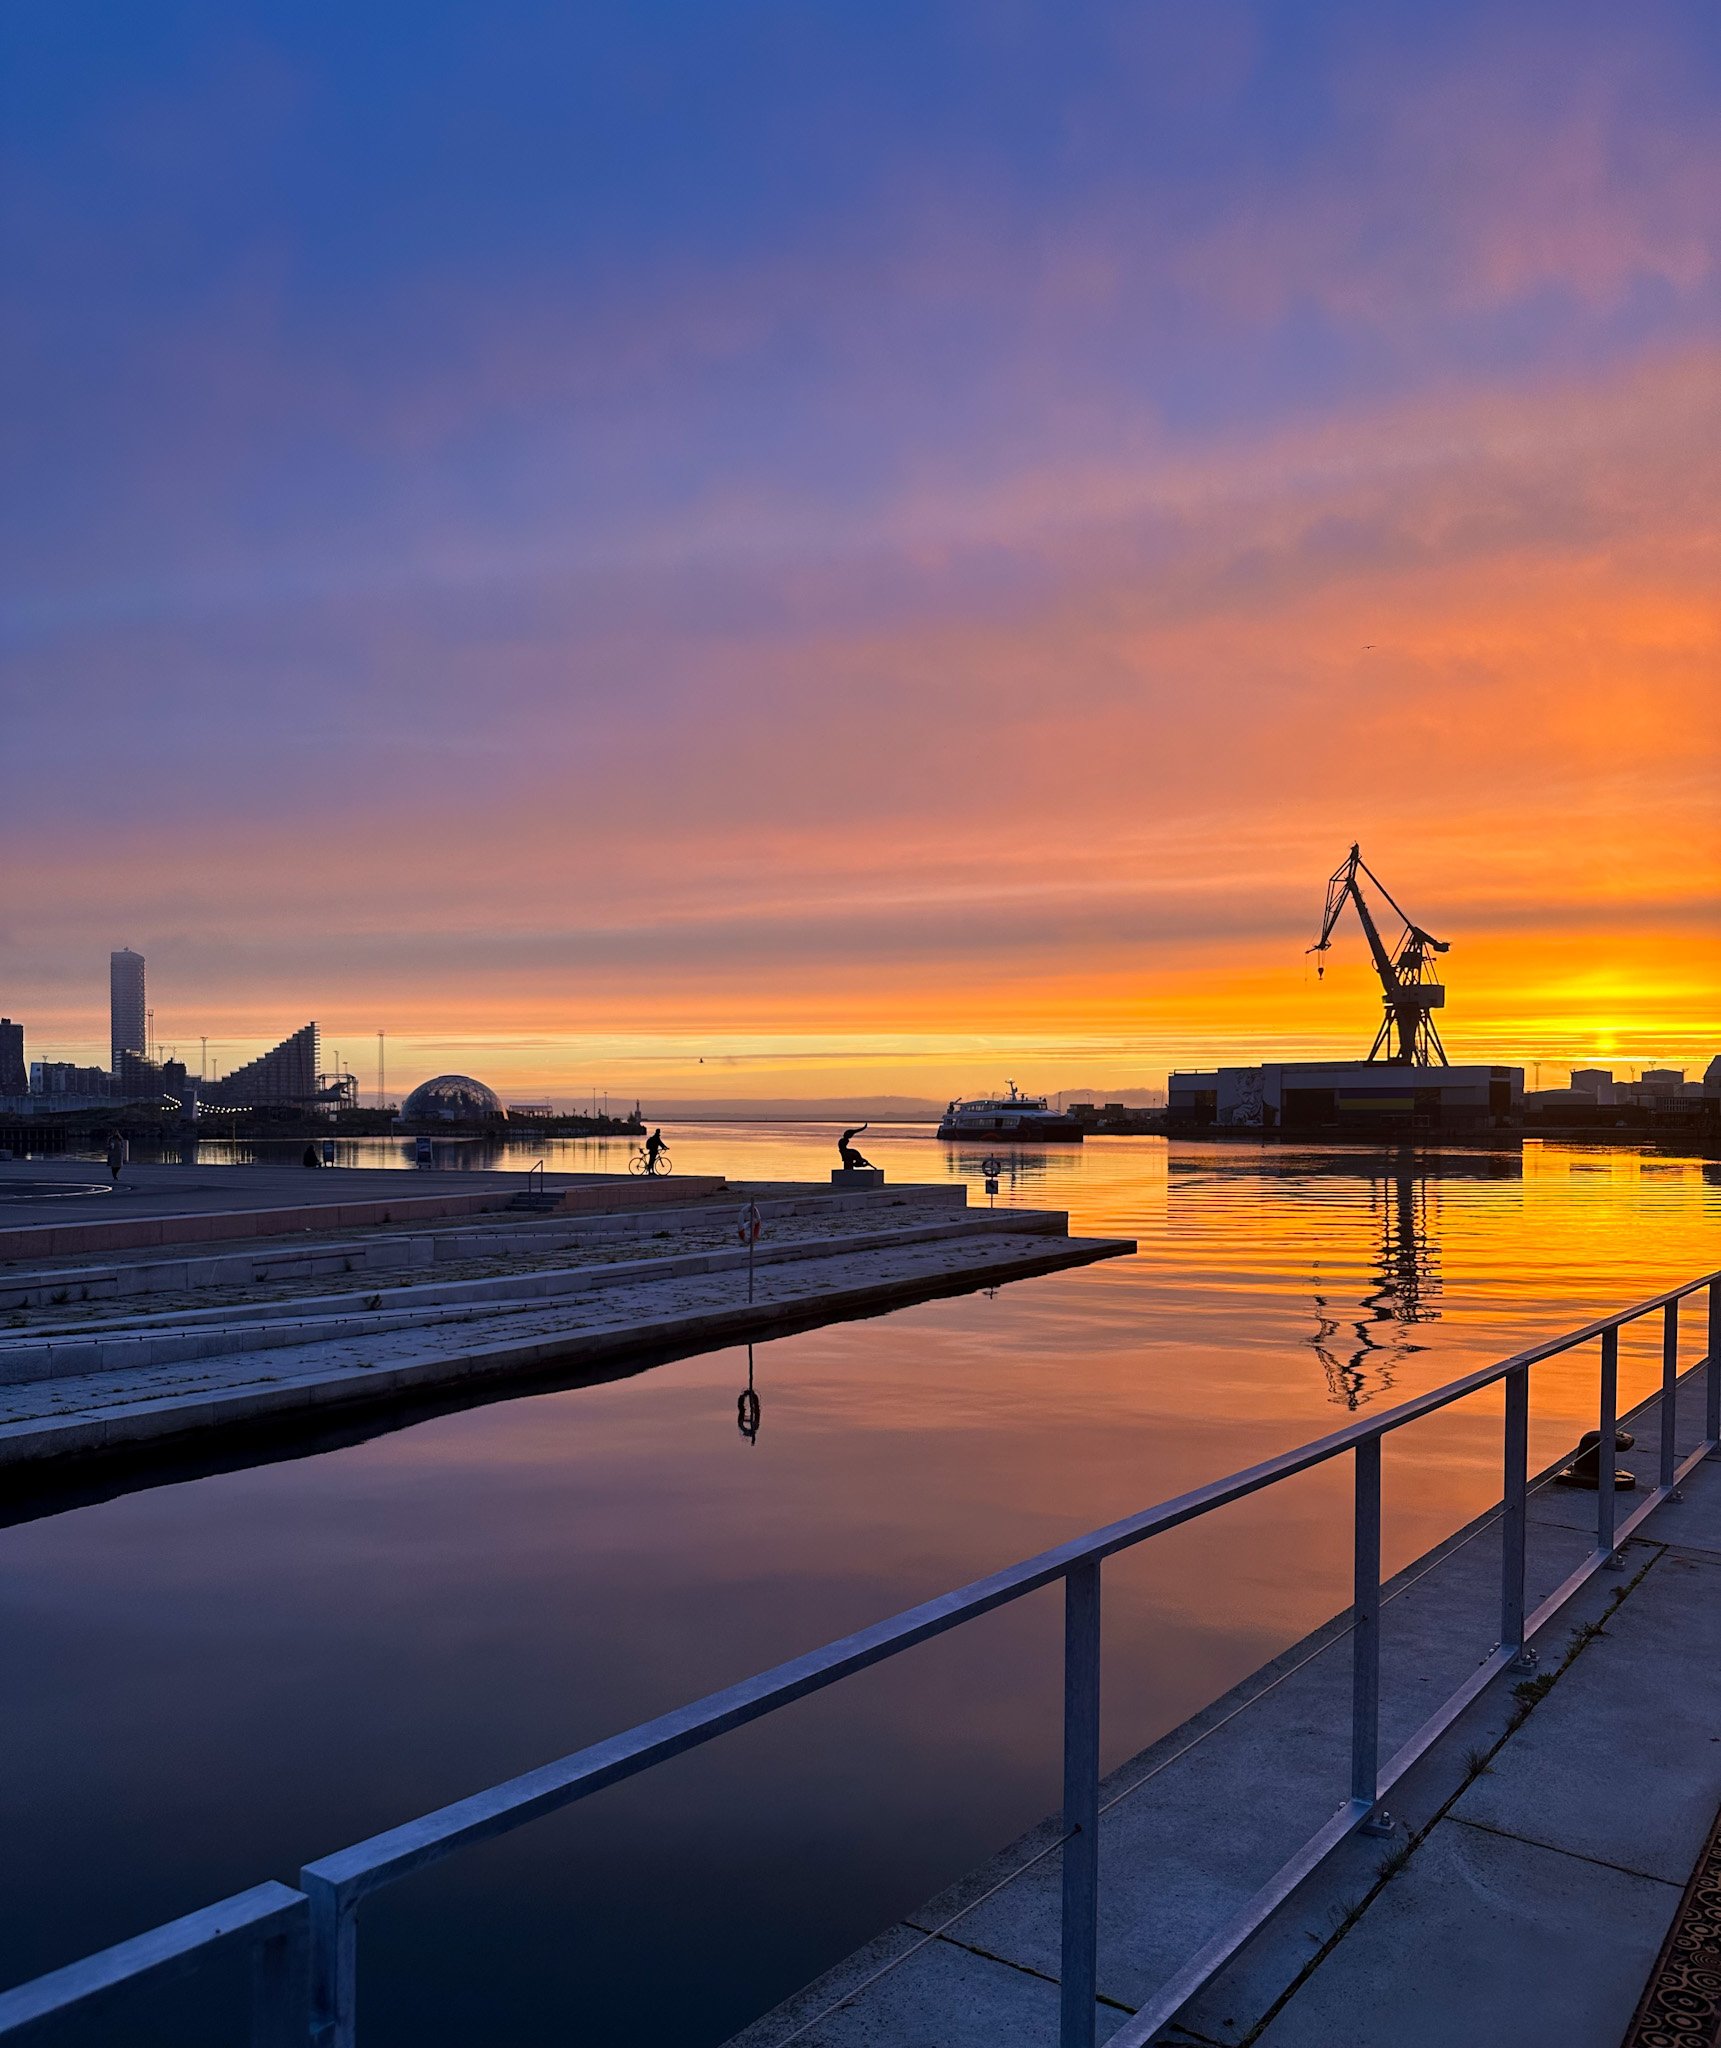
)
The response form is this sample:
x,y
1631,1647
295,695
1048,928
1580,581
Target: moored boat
x,y
1015,1117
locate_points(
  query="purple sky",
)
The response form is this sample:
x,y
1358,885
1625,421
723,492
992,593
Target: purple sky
x,y
858,544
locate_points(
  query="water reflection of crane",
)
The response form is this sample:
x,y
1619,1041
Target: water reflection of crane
x,y
1406,1280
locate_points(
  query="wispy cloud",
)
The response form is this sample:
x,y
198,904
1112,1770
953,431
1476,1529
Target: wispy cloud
x,y
969,574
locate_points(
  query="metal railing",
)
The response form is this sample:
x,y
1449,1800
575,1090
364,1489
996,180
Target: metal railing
x,y
270,1921
273,1918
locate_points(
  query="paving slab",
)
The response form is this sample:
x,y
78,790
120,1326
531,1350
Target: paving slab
x,y
1693,1524
941,1994
1232,2009
1486,1942
1622,1761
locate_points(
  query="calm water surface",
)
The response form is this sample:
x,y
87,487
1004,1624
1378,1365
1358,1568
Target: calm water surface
x,y
212,1681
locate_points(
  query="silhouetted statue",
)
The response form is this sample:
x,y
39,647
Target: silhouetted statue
x,y
846,1152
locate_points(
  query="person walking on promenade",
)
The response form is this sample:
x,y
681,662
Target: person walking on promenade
x,y
116,1155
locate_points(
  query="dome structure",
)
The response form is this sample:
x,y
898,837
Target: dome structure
x,y
453,1099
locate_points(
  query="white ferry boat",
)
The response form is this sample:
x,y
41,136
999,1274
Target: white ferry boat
x,y
1028,1119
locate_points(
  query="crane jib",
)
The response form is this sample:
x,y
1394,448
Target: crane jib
x,y
1407,1036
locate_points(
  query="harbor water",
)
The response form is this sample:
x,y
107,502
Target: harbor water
x,y
211,1679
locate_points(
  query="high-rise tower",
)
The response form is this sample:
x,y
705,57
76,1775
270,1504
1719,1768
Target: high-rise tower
x,y
125,1005
14,1075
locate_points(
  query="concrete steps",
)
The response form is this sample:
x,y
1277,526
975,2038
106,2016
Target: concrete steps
x,y
309,1256
119,1345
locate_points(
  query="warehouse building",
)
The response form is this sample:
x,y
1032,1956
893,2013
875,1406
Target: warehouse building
x,y
1359,1097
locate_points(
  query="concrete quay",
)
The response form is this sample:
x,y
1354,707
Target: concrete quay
x,y
120,1344
273,1266
1540,1851
56,1209
234,1343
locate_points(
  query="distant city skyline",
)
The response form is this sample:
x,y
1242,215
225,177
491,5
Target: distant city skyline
x,y
682,1079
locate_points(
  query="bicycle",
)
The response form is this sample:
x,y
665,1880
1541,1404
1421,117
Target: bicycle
x,y
642,1162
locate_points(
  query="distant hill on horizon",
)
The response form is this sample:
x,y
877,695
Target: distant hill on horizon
x,y
834,1109
855,1108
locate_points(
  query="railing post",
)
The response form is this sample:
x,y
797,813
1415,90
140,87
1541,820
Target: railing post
x,y
334,1964
1607,1446
1513,1521
1712,1406
1669,1390
281,1987
1365,1629
1079,1975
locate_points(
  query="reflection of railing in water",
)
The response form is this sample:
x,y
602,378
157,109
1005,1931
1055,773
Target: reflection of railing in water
x,y
303,1941
1407,1276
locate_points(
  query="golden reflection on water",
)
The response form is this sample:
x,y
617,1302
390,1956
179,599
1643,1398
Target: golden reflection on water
x,y
1276,1292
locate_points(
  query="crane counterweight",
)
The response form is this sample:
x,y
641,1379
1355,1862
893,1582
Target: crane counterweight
x,y
1407,1037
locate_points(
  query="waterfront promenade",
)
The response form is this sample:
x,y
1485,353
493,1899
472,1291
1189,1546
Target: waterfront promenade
x,y
1538,1857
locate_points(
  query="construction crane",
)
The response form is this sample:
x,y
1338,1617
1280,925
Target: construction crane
x,y
1407,1037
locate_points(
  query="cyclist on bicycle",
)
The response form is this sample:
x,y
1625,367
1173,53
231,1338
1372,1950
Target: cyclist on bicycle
x,y
653,1146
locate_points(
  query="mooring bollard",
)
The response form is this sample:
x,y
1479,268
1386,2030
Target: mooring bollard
x,y
1585,1468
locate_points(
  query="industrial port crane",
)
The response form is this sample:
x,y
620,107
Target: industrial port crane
x,y
1406,981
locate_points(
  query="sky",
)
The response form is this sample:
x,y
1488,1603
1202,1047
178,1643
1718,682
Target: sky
x,y
783,551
